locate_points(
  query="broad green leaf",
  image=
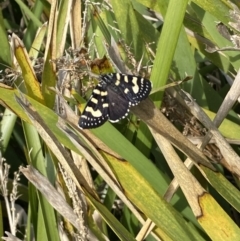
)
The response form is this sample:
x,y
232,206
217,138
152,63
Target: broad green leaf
x,y
214,217
140,192
167,44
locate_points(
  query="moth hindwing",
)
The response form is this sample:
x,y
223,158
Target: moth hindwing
x,y
112,98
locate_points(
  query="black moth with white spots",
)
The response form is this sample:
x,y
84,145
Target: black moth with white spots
x,y
112,98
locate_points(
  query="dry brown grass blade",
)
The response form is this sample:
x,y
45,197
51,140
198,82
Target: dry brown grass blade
x,y
188,183
76,24
145,230
153,117
81,163
51,34
56,200
231,160
10,237
174,185
51,194
228,102
63,22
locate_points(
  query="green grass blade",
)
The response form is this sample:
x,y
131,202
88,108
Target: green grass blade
x,y
167,44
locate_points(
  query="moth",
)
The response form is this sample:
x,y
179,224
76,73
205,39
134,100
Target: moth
x,y
112,98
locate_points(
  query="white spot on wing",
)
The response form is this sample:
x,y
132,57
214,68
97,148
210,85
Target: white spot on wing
x,y
135,88
117,83
103,93
118,76
95,101
96,91
105,105
95,113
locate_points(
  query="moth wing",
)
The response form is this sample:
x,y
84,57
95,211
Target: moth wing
x,y
133,88
96,111
118,106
